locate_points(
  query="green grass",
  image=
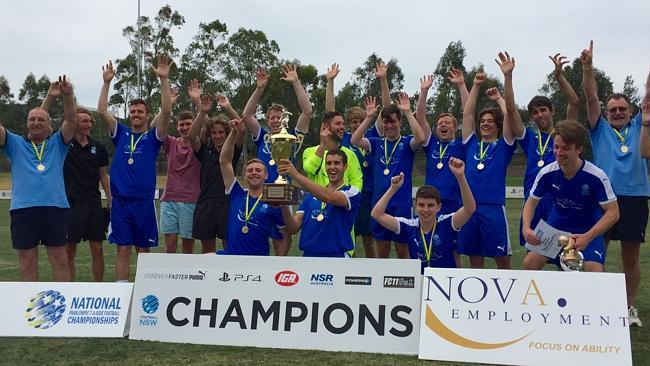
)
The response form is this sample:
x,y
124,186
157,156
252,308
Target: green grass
x,y
71,351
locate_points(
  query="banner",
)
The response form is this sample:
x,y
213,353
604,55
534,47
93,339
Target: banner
x,y
524,317
357,305
61,309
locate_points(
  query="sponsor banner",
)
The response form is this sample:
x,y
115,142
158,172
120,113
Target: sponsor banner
x,y
59,309
357,305
524,317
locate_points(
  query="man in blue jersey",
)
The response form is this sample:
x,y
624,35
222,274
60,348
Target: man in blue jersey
x,y
486,160
133,171
250,221
390,156
584,203
615,140
326,215
537,143
431,236
39,207
262,137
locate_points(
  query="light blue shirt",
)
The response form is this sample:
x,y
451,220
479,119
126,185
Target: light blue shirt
x,y
31,187
627,171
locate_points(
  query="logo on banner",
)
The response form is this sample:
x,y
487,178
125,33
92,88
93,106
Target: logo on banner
x,y
399,281
150,304
322,279
198,276
240,277
286,278
225,277
358,280
45,309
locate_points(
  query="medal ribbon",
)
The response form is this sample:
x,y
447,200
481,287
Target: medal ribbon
x,y
39,154
323,204
542,149
428,248
441,151
482,153
622,136
388,158
248,214
133,146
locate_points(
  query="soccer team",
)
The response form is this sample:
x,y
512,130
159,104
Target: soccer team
x,y
356,183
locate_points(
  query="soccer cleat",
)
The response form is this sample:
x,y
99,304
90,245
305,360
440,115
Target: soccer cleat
x,y
633,317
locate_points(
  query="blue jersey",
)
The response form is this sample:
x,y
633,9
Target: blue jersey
x,y
260,225
442,178
530,143
31,187
362,156
442,245
401,161
331,235
577,200
263,143
488,184
627,170
138,179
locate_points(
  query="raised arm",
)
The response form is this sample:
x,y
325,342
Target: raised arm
x,y
330,102
335,198
306,109
358,138
495,96
381,73
457,78
162,70
174,98
248,114
463,214
226,154
313,159
590,86
69,126
572,98
421,110
644,141
379,211
102,106
52,93
224,104
516,125
469,112
404,105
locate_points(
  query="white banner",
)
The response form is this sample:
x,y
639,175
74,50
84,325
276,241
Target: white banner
x,y
524,317
59,309
357,305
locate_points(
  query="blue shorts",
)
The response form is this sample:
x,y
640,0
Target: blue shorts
x,y
133,222
542,212
381,233
362,221
177,218
486,232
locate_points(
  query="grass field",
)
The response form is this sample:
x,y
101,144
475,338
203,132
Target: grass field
x,y
59,351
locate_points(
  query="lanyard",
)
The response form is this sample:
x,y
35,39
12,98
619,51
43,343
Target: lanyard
x,y
248,214
542,149
386,157
323,204
428,248
441,150
483,152
37,153
133,146
623,135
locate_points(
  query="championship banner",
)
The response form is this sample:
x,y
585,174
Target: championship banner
x,y
524,317
62,309
356,305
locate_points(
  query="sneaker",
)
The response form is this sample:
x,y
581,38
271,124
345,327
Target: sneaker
x,y
633,317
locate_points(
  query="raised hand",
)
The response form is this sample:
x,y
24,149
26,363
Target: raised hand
x,y
381,70
506,63
64,85
174,94
164,63
222,101
286,168
55,90
480,78
206,104
325,134
493,94
107,72
397,181
237,125
587,55
194,90
332,72
371,106
559,61
456,166
261,78
425,82
456,76
290,73
403,102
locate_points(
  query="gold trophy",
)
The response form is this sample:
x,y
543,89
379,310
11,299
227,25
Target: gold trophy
x,y
571,260
281,192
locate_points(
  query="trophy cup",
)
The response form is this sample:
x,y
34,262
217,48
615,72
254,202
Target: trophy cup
x,y
281,192
571,260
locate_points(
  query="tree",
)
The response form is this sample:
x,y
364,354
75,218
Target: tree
x,y
631,91
5,91
446,98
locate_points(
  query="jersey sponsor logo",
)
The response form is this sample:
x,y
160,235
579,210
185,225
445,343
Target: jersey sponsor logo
x,y
584,190
322,279
556,186
358,280
399,281
286,278
240,277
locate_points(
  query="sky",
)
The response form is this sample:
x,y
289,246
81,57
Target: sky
x,y
77,37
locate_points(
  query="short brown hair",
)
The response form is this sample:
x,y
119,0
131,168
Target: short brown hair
x,y
427,192
572,132
220,119
256,160
340,153
453,118
182,115
356,113
139,101
275,107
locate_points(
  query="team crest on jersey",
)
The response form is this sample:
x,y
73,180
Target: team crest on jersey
x,y
585,190
93,150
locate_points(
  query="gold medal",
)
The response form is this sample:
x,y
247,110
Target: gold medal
x,y
271,162
624,149
320,217
130,161
540,163
480,166
439,165
386,171
244,229
365,164
40,167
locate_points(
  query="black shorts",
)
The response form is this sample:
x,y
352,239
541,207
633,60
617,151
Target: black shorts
x,y
210,220
86,221
633,220
45,225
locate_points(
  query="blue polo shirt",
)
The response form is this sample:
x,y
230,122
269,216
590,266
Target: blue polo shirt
x,y
443,179
488,184
530,145
401,161
442,243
